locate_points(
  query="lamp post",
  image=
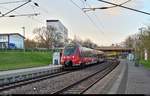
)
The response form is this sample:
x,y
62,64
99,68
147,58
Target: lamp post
x,y
144,49
24,37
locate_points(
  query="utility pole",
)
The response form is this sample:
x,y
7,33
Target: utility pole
x,y
24,37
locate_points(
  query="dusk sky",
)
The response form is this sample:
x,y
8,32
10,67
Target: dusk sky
x,y
110,26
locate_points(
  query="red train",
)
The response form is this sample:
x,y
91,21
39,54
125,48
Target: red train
x,y
76,55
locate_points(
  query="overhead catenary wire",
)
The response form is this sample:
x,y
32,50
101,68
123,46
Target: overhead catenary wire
x,y
33,7
35,14
83,3
98,19
41,8
125,7
47,12
93,9
103,7
15,8
86,15
19,15
12,2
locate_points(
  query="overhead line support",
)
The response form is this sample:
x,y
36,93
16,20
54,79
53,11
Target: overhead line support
x,y
124,7
15,8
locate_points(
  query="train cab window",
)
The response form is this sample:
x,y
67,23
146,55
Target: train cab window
x,y
81,54
69,51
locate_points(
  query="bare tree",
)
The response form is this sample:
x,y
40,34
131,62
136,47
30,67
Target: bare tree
x,y
45,36
140,41
145,40
87,43
30,43
129,42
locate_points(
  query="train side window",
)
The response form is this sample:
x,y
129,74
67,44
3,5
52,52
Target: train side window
x,y
81,54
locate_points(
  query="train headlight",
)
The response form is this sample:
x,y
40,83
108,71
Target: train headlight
x,y
73,57
64,57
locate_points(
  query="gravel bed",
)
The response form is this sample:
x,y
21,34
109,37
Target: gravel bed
x,y
54,84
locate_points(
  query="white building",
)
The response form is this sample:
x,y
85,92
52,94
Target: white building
x,y
60,29
11,40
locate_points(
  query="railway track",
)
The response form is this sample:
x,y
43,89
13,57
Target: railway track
x,y
49,85
83,85
33,80
24,82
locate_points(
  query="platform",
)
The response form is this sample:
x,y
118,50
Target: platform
x,y
23,74
126,78
138,80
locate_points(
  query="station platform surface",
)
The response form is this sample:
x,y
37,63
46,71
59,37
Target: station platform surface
x,y
138,80
27,69
126,78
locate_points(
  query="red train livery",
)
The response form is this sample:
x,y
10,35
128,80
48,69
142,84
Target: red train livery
x,y
76,55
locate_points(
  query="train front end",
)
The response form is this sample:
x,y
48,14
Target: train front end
x,y
70,56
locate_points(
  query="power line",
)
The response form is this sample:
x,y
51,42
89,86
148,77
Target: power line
x,y
86,15
41,8
83,3
12,2
38,21
93,9
4,7
15,8
33,8
125,7
29,15
76,4
98,19
35,14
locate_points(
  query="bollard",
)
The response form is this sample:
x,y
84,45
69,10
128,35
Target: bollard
x,y
136,62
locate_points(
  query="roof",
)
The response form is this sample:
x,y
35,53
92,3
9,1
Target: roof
x,y
52,20
12,34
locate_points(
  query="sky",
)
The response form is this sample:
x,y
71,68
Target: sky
x,y
109,26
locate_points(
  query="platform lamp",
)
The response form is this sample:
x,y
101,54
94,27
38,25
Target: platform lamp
x,y
24,37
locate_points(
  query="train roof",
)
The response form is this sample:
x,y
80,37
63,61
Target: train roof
x,y
72,44
85,48
100,52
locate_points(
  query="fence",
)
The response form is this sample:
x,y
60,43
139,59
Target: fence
x,y
32,50
26,50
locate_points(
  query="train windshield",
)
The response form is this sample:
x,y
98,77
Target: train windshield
x,y
69,51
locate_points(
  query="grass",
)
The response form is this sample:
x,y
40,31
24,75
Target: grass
x,y
145,63
19,60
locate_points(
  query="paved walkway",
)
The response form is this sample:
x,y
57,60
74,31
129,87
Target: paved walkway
x,y
138,81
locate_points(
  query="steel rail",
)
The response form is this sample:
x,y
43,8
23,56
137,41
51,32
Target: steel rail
x,y
105,72
36,79
33,80
63,90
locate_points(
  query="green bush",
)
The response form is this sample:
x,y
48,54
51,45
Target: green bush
x,y
145,63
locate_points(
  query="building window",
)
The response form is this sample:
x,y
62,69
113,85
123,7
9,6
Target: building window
x,y
3,38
